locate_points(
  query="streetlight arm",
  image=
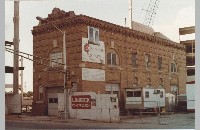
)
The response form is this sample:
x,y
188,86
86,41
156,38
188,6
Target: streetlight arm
x,y
42,19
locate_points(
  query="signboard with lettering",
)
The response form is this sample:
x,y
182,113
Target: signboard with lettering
x,y
93,74
81,102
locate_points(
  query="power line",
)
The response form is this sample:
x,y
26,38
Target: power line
x,y
28,57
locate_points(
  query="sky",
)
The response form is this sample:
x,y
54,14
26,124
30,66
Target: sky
x,y
170,16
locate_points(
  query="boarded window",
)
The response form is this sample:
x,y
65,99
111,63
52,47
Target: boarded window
x,y
56,59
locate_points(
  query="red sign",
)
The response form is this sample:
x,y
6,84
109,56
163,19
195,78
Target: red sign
x,y
81,102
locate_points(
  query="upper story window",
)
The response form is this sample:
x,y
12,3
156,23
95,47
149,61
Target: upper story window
x,y
93,35
112,58
159,63
134,60
147,61
173,67
56,59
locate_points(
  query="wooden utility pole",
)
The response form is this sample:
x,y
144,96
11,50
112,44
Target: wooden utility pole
x,y
16,48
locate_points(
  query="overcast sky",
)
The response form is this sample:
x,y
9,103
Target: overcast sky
x,y
171,15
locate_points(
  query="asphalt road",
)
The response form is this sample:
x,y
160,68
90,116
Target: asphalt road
x,y
176,121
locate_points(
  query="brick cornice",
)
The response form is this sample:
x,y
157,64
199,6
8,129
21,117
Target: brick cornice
x,y
103,25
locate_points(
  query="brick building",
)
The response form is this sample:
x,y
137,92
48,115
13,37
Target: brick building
x,y
102,57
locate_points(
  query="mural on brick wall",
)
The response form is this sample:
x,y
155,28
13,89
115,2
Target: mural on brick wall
x,y
93,52
93,74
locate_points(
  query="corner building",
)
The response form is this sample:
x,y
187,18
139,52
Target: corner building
x,y
101,57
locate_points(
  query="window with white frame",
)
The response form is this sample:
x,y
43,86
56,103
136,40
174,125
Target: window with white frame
x,y
93,34
40,97
111,58
56,59
147,61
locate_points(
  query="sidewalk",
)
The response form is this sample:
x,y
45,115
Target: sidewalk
x,y
29,118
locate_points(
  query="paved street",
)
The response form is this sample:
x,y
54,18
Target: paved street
x,y
174,121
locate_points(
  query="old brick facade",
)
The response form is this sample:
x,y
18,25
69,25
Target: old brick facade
x,y
117,39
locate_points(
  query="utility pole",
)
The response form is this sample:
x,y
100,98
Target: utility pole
x,y
22,90
16,48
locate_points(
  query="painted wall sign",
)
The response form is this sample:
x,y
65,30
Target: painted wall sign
x,y
93,52
93,74
81,102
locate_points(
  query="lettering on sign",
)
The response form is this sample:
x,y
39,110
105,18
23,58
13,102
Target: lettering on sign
x,y
81,102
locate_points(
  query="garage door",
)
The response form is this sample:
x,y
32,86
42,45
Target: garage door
x,y
52,103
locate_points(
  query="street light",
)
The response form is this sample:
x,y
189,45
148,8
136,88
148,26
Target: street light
x,y
66,94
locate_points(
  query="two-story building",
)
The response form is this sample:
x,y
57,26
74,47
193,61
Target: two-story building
x,y
101,57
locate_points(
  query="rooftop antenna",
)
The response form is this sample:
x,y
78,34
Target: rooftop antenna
x,y
130,14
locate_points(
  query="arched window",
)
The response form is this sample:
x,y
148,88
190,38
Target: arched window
x,y
112,58
173,67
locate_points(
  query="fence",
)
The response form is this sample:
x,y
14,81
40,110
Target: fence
x,y
163,117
